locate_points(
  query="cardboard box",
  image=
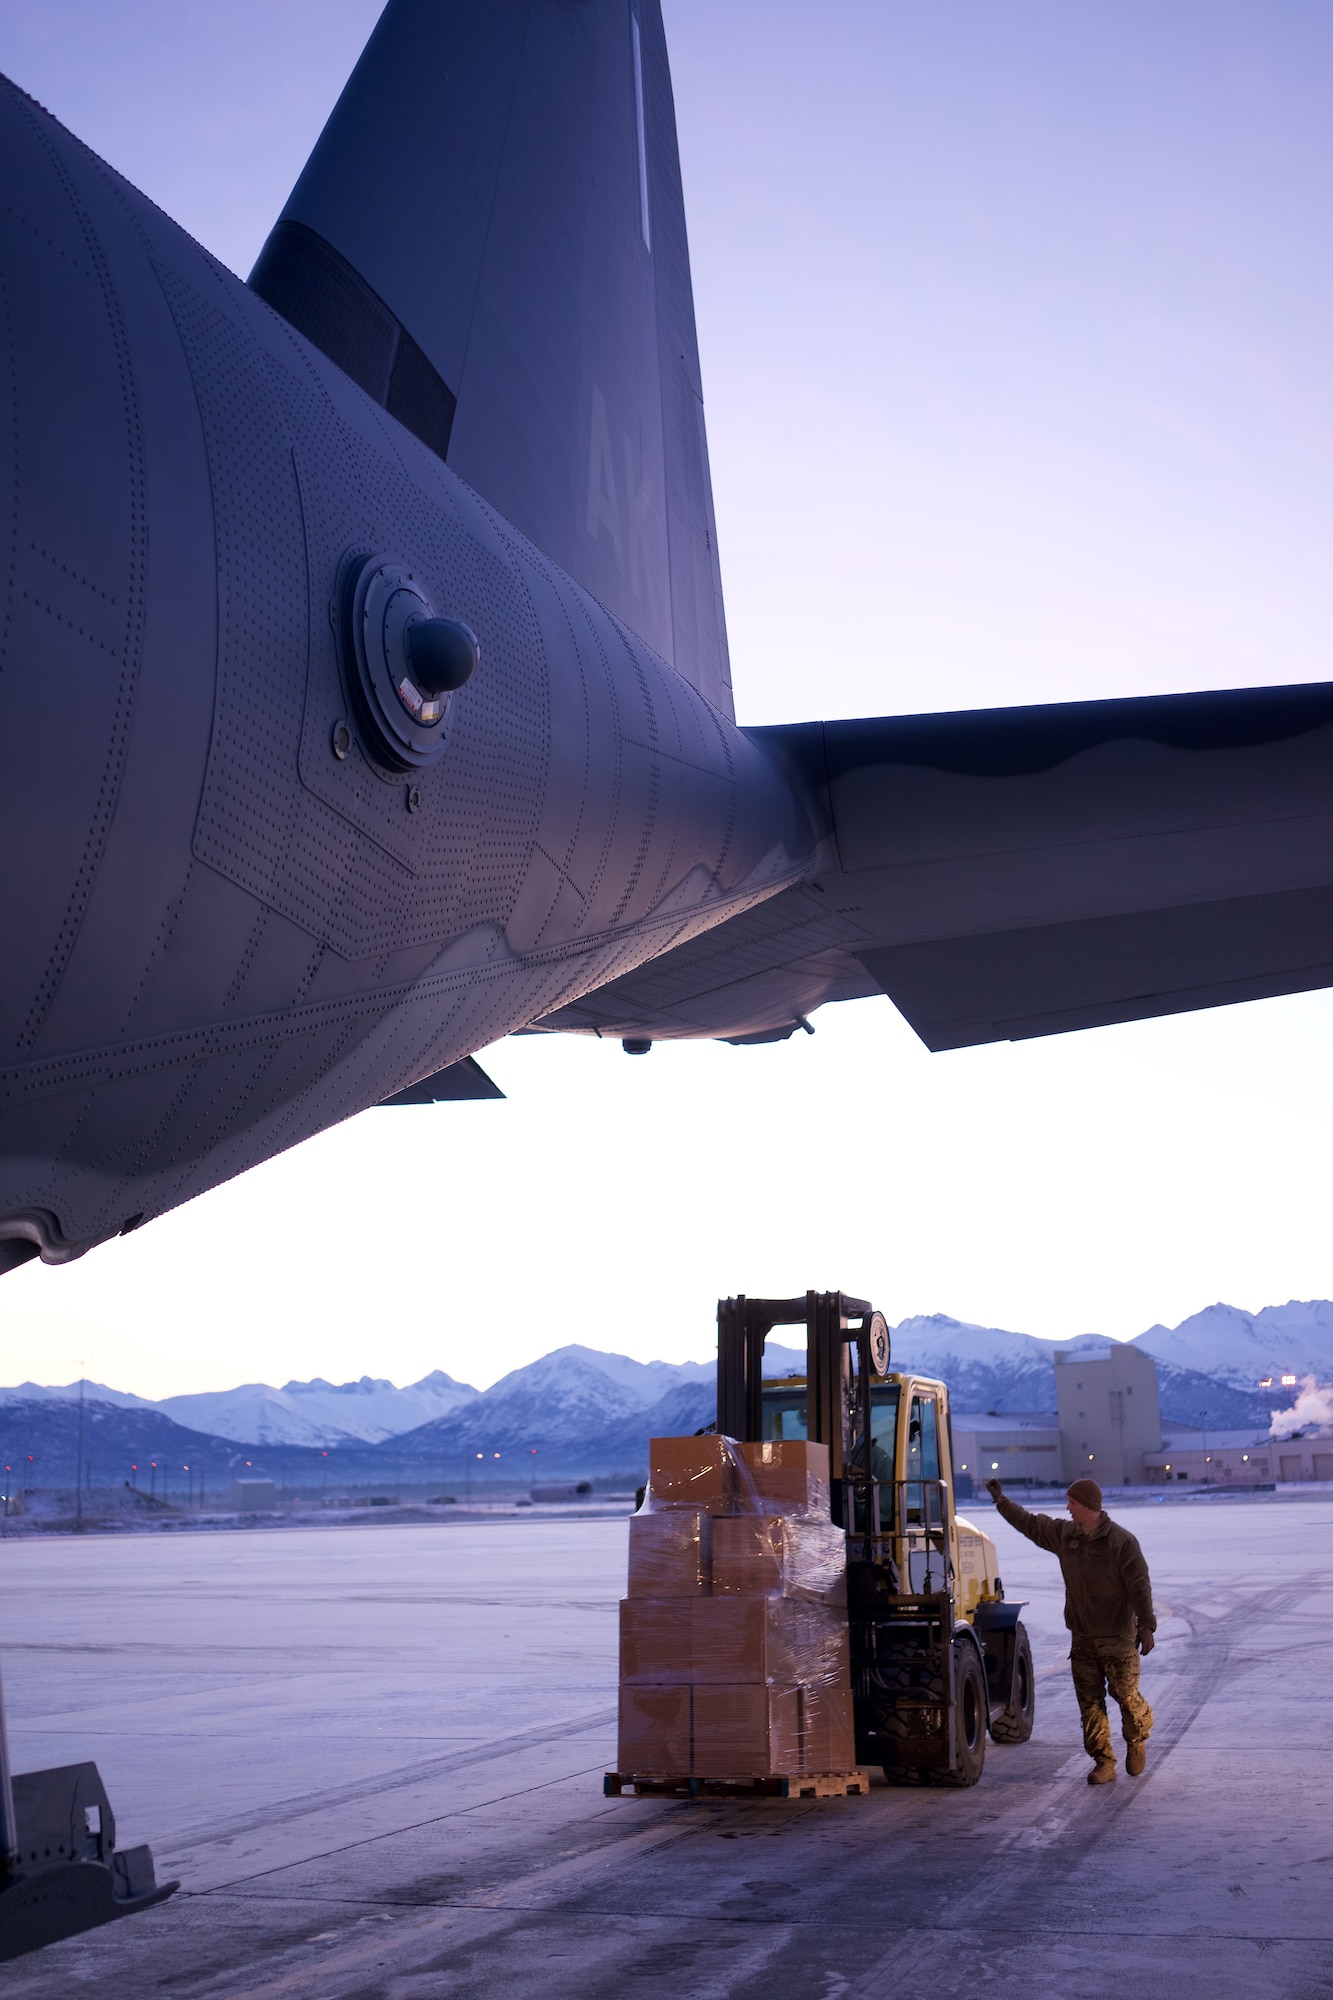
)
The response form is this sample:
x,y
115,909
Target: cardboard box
x,y
828,1737
735,1730
790,1554
783,1476
767,1641
655,1735
693,1472
671,1553
745,1731
657,1640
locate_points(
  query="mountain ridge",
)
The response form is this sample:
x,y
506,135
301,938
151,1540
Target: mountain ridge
x,y
577,1396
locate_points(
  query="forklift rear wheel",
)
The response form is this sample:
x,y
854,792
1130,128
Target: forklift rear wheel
x,y
1014,1724
970,1712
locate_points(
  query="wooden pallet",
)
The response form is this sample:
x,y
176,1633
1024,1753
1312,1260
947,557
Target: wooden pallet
x,y
792,1785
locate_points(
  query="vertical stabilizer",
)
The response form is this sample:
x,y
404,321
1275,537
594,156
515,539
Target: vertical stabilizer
x,y
490,238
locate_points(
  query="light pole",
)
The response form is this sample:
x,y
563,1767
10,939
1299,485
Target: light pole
x,y
78,1503
1203,1422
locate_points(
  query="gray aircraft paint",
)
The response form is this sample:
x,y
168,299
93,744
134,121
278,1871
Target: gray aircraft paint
x,y
468,352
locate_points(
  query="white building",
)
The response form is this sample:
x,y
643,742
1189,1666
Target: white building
x,y
1020,1446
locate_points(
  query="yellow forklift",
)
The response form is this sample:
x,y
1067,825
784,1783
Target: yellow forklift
x,y
938,1656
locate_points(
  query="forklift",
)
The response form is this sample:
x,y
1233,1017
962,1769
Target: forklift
x,y
938,1655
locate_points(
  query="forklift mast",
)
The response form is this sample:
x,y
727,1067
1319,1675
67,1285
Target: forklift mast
x,y
841,1359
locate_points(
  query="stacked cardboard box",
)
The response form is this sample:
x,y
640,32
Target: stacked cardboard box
x,y
733,1634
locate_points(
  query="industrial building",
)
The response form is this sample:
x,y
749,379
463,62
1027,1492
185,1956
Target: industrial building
x,y
1238,1458
1110,1418
1020,1447
1108,1424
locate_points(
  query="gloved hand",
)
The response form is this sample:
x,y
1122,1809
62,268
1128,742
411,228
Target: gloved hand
x,y
1146,1641
994,1488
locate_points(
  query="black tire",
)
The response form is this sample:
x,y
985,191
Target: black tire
x,y
1014,1724
970,1710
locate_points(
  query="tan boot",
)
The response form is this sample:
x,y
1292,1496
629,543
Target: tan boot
x,y
1102,1772
1136,1756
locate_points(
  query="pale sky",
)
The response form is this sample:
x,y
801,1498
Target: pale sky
x,y
1015,327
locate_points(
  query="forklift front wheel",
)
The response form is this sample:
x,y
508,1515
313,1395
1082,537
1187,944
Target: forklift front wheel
x,y
969,1715
1014,1723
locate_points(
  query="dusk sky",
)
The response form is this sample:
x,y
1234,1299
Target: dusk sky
x,y
1015,326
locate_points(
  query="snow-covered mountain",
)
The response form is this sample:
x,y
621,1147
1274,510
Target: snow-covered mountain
x,y
68,1392
570,1393
990,1368
320,1412
1212,1361
1243,1348
567,1397
986,1367
311,1413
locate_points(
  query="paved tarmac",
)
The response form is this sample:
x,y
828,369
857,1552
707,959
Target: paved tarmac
x,y
373,1756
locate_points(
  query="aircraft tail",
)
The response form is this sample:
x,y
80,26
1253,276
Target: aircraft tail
x,y
490,238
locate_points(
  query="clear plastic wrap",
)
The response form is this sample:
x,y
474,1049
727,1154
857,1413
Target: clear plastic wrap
x,y
783,1476
740,1667
720,1476
670,1553
769,1640
737,1731
692,1472
791,1555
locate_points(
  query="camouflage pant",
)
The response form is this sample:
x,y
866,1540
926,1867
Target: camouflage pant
x,y
1101,1667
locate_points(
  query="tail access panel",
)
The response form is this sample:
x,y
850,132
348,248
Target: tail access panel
x,y
489,237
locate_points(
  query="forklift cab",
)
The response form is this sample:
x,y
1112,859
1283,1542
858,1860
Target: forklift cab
x,y
908,1495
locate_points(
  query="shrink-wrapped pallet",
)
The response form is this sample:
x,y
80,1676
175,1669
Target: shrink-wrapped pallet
x,y
734,1641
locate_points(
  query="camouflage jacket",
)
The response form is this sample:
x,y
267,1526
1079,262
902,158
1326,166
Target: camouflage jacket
x,y
1107,1592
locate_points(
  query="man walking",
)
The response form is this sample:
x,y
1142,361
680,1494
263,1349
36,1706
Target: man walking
x,y
1108,1609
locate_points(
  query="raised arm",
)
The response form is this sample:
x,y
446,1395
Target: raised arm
x,y
1038,1528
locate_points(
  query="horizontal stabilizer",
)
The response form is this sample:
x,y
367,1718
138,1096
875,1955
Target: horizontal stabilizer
x,y
1017,872
462,1082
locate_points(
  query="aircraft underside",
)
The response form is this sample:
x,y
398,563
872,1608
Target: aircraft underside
x,y
263,873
